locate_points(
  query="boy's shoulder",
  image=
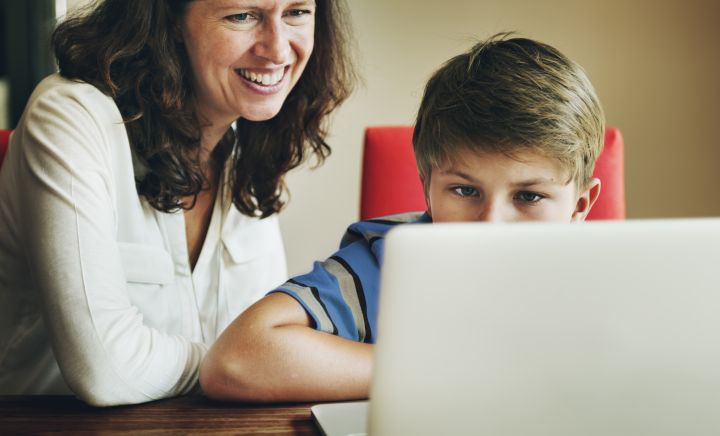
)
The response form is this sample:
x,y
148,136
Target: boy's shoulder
x,y
376,228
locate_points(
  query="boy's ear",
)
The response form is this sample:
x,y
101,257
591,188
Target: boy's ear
x,y
426,188
586,199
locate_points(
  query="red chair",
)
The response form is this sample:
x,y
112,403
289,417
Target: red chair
x,y
391,184
4,140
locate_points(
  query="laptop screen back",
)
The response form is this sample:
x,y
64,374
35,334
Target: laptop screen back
x,y
549,329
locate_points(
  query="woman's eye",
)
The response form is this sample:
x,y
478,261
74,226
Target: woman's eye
x,y
297,17
299,12
465,191
529,197
240,18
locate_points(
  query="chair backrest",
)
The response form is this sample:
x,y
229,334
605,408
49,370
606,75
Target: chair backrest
x,y
4,140
391,184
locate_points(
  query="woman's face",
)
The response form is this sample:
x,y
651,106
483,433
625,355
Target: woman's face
x,y
246,55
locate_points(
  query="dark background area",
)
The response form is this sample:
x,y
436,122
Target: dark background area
x,y
3,41
25,48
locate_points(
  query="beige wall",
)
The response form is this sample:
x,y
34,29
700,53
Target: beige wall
x,y
655,65
4,111
72,4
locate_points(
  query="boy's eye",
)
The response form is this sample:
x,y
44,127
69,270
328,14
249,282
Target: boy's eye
x,y
528,197
465,191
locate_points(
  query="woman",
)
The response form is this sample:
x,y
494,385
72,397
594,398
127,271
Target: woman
x,y
138,196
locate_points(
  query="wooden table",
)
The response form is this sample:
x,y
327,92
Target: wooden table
x,y
184,415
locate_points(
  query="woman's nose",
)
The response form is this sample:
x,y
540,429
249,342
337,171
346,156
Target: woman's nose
x,y
272,42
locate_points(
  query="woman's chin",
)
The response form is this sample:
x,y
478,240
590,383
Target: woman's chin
x,y
260,114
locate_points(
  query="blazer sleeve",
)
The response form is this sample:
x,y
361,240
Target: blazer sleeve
x,y
68,217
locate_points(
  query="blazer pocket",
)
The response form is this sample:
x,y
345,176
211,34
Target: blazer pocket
x,y
146,264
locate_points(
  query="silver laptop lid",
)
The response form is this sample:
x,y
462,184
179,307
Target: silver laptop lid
x,y
602,328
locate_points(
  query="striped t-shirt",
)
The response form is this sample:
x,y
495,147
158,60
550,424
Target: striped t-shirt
x,y
341,294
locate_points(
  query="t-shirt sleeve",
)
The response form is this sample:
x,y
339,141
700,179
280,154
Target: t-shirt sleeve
x,y
341,293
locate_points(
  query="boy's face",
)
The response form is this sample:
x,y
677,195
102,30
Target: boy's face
x,y
496,188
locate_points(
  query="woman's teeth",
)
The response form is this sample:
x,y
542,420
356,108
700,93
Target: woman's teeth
x,y
262,79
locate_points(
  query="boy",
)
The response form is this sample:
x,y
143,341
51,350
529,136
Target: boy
x,y
508,131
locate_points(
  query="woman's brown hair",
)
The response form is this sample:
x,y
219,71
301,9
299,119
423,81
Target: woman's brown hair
x,y
132,51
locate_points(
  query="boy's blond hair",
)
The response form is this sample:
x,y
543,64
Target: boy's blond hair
x,y
507,95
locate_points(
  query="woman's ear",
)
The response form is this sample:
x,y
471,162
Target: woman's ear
x,y
586,199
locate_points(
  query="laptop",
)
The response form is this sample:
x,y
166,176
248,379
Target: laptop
x,y
599,328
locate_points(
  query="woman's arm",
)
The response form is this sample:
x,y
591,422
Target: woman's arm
x,y
73,161
271,353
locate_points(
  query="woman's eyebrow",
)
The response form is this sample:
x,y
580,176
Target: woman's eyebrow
x,y
303,3
251,4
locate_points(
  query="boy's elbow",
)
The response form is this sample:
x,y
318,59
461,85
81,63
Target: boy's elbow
x,y
218,379
229,378
240,366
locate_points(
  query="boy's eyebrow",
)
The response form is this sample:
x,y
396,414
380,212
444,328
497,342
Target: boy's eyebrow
x,y
520,184
537,181
454,172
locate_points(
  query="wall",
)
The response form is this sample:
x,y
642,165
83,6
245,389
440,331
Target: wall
x,y
4,115
654,64
72,4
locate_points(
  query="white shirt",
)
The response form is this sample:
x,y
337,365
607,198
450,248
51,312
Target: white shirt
x,y
96,283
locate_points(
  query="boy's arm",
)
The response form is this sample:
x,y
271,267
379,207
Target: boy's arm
x,y
272,353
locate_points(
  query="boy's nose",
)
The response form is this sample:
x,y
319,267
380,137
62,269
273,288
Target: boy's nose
x,y
272,42
493,211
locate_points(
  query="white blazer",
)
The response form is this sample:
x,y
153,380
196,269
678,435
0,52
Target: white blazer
x,y
96,284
